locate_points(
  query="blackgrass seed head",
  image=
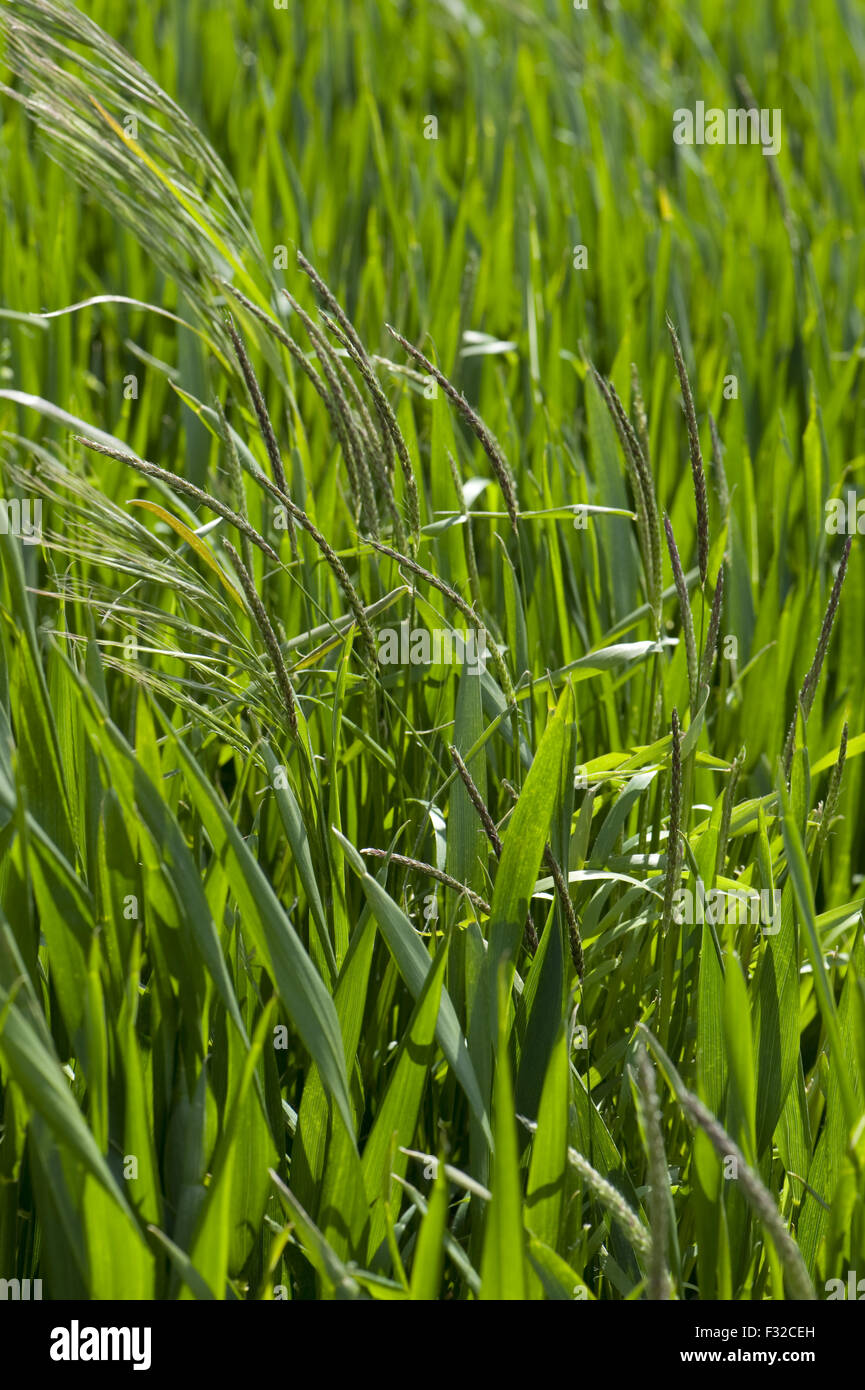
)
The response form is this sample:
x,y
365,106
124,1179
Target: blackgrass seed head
x,y
697,470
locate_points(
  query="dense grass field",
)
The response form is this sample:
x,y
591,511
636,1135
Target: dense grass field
x,y
432,675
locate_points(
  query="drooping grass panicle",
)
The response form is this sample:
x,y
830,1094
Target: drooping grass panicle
x,y
204,499
489,445
162,179
265,627
697,470
811,681
685,610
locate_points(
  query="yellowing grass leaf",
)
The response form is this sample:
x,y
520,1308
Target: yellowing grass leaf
x,y
193,541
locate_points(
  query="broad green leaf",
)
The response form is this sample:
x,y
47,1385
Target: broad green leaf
x,y
300,986
503,1266
414,965
402,1099
426,1270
